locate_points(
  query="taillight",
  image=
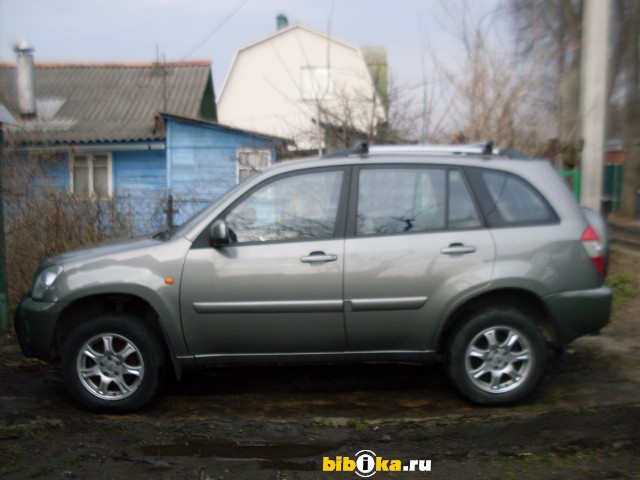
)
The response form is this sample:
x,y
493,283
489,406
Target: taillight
x,y
595,249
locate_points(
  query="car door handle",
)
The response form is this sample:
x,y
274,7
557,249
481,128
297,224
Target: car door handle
x,y
319,257
457,249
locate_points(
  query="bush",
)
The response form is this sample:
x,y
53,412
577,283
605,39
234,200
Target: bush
x,y
42,219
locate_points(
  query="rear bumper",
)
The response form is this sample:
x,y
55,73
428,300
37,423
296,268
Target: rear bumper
x,y
35,324
580,312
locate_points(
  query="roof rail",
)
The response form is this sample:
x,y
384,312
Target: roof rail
x,y
485,148
475,149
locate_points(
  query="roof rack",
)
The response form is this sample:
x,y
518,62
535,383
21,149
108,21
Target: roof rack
x,y
475,149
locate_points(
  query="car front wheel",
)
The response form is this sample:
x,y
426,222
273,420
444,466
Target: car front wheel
x,y
112,362
496,357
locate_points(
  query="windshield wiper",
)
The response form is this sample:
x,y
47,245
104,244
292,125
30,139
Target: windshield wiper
x,y
165,234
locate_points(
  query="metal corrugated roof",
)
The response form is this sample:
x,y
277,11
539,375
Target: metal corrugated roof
x,y
80,103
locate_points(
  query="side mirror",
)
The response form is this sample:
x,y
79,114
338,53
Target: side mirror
x,y
219,234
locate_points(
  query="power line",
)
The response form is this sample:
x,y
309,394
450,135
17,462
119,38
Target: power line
x,y
222,24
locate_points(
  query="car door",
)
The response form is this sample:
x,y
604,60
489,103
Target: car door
x,y
276,287
415,244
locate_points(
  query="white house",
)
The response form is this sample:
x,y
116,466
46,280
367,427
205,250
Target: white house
x,y
301,84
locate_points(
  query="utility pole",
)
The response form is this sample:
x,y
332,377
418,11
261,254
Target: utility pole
x,y
5,118
593,103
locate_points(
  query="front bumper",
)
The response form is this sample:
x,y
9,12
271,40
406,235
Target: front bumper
x,y
35,324
578,313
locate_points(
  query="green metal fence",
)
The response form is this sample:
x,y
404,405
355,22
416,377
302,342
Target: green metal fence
x,y
612,184
572,177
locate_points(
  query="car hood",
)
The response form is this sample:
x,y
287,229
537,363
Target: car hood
x,y
109,249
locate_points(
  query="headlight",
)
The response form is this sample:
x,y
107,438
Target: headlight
x,y
44,280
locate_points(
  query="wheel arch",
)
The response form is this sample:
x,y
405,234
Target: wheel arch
x,y
88,307
524,301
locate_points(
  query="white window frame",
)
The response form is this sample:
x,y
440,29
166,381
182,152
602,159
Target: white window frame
x,y
90,158
241,152
315,83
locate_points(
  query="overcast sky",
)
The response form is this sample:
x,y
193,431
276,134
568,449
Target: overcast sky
x,y
134,30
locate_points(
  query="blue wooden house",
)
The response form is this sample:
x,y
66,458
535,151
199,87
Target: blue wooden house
x,y
135,133
205,159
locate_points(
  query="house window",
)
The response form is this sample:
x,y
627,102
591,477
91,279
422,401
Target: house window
x,y
251,161
315,83
90,174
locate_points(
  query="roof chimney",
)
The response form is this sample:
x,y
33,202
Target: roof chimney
x,y
25,80
282,21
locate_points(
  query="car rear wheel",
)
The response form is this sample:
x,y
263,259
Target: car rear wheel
x,y
113,362
496,357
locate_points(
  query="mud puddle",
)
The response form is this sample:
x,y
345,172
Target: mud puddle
x,y
281,455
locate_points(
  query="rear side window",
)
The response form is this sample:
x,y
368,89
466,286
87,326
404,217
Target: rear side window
x,y
411,200
508,200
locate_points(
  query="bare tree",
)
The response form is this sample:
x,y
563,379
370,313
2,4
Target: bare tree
x,y
42,219
555,26
551,31
627,71
489,93
349,119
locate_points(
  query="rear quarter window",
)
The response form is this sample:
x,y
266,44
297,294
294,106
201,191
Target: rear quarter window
x,y
509,200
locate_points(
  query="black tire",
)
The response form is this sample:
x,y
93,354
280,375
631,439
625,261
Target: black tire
x,y
113,362
496,357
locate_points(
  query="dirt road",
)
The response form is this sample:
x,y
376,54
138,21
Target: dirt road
x,y
284,423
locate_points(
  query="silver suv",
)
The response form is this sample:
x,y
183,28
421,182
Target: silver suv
x,y
393,254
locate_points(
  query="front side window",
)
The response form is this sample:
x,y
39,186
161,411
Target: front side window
x,y
300,207
90,174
